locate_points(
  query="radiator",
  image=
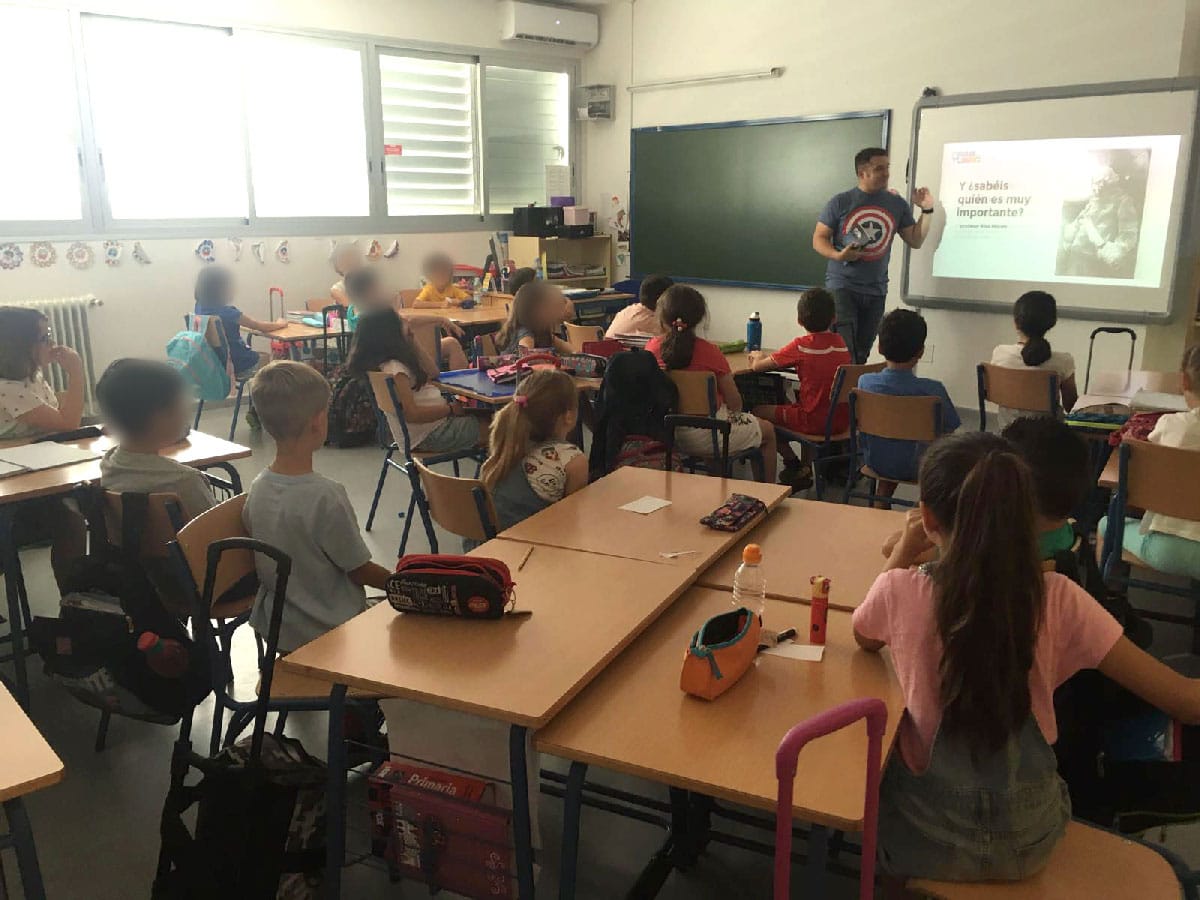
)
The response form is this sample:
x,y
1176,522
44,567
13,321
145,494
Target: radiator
x,y
68,317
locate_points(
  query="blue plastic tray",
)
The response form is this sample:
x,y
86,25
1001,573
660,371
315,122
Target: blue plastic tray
x,y
476,381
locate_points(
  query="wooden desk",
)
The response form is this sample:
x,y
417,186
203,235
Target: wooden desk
x,y
586,609
802,538
1111,473
294,332
1118,388
478,315
591,521
27,764
634,719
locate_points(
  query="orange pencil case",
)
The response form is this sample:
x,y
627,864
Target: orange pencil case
x,y
720,653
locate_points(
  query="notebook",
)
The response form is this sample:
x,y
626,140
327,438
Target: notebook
x,y
35,457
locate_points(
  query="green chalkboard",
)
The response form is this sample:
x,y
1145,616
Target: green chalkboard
x,y
736,202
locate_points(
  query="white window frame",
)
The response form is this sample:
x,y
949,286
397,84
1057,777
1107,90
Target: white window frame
x,y
97,224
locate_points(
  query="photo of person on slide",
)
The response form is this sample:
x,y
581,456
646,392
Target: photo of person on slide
x,y
1100,233
855,232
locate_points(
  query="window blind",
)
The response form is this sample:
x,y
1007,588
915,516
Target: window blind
x,y
527,127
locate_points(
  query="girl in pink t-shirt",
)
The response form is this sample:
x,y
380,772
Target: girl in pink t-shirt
x,y
979,641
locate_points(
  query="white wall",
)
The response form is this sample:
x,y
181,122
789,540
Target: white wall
x,y
869,55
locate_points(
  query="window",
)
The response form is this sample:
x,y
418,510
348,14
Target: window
x,y
527,127
166,105
306,125
428,135
39,155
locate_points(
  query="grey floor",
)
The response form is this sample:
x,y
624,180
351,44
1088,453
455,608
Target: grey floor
x,y
97,831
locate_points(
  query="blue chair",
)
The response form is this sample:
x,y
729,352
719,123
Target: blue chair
x,y
216,337
387,396
887,416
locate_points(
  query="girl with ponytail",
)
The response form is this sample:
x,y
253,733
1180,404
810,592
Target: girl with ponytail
x,y
1034,314
681,310
530,462
980,640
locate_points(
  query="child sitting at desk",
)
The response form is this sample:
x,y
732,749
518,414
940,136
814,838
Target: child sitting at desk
x,y
530,462
524,275
383,343
1058,460
440,290
533,318
902,342
816,356
980,640
304,514
347,258
367,294
1035,313
1167,543
214,297
682,309
641,317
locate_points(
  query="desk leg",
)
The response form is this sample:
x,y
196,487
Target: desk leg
x,y
13,582
22,838
335,800
818,857
572,811
522,833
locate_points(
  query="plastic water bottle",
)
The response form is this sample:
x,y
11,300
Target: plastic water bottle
x,y
754,332
749,585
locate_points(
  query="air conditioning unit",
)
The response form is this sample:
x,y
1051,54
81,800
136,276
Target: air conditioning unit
x,y
548,24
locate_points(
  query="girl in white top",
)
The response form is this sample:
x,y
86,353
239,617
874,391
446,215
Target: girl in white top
x,y
28,405
1035,313
382,343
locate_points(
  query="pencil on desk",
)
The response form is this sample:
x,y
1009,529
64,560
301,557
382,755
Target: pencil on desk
x,y
525,558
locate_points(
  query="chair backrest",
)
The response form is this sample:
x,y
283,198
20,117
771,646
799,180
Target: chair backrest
x,y
460,505
899,418
1160,479
697,392
428,335
390,395
408,296
846,380
578,335
875,712
485,345
163,521
1030,389
318,304
222,521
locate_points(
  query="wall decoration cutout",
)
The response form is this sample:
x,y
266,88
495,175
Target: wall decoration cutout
x,y
235,244
281,251
205,251
112,253
140,254
259,252
10,256
42,254
393,251
374,251
80,255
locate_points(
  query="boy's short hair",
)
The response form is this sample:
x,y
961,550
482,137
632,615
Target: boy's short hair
x,y
902,335
437,262
520,278
1058,458
132,392
652,288
287,395
815,309
360,282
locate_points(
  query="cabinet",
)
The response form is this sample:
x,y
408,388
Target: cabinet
x,y
571,262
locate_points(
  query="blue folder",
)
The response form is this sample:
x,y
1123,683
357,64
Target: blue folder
x,y
476,381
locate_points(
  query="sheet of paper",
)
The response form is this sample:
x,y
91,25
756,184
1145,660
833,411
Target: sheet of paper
x,y
1156,401
792,650
645,505
7,469
46,456
558,182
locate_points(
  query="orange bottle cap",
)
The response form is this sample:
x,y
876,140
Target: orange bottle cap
x,y
752,554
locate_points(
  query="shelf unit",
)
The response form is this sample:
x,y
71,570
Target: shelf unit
x,y
591,251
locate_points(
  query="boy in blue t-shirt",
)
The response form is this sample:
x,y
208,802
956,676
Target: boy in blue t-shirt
x,y
902,343
214,297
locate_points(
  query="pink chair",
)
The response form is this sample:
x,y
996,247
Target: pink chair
x,y
875,712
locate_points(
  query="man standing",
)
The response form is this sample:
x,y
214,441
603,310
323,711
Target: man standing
x,y
855,232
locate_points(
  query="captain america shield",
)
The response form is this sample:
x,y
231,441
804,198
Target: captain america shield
x,y
877,225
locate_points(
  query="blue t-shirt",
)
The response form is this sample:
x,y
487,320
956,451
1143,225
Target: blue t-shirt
x,y
873,217
230,316
902,459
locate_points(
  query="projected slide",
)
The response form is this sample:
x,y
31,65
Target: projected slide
x,y
1079,210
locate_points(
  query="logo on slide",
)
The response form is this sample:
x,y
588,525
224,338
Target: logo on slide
x,y
964,157
876,225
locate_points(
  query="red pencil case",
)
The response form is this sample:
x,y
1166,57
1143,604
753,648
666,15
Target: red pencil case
x,y
472,587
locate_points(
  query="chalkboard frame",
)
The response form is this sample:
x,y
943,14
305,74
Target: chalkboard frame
x,y
883,114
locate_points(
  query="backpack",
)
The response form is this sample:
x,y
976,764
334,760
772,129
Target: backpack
x,y
260,826
633,399
641,452
201,366
94,647
352,418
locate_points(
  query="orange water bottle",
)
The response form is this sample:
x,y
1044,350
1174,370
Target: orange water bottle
x,y
819,609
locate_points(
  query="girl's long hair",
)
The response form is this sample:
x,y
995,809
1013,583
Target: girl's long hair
x,y
1035,313
681,309
380,336
21,330
523,313
988,585
541,397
